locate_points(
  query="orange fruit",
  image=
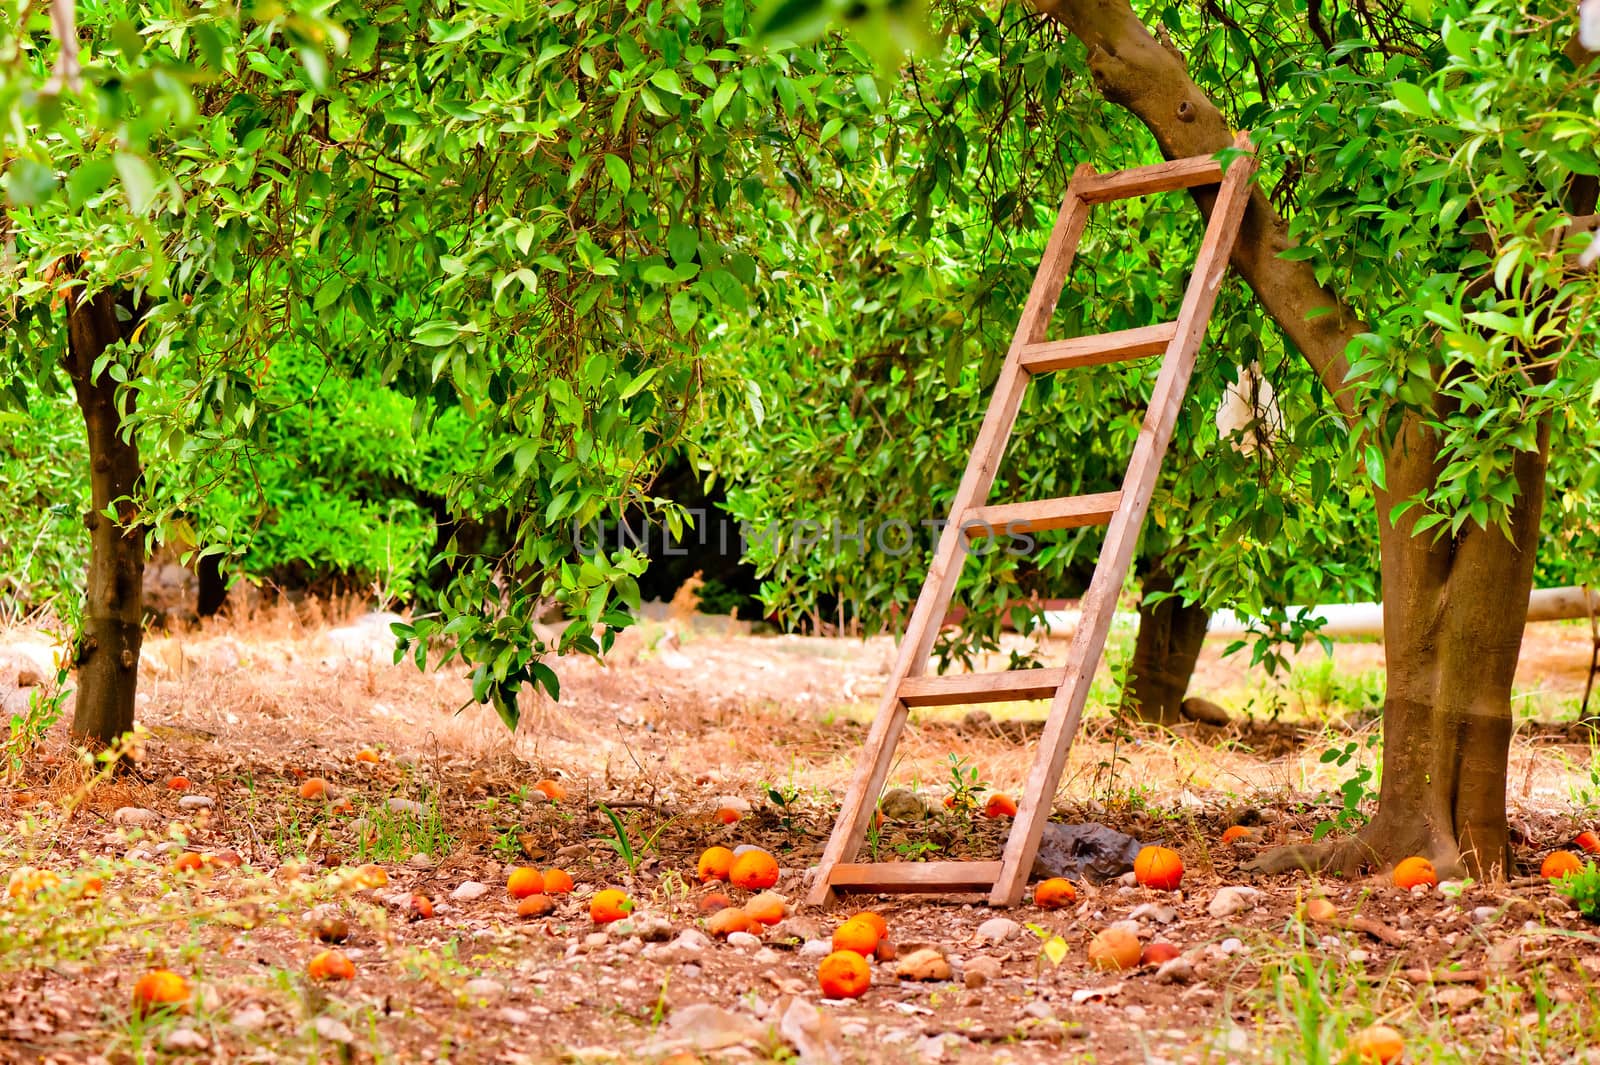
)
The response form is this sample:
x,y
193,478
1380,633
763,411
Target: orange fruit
x,y
1054,894
159,988
535,906
714,902
551,790
1560,863
524,882
727,815
372,876
844,974
557,882
856,935
609,905
315,788
1321,910
1000,806
1380,1044
727,921
29,881
367,755
1158,953
179,784
715,864
421,907
878,924
1235,832
1115,948
92,887
229,859
188,862
754,871
767,908
1414,871
1158,867
331,965
1588,842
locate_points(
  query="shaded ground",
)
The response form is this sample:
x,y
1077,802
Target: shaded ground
x,y
676,727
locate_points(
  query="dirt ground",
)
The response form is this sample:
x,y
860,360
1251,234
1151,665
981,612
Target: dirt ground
x,y
681,724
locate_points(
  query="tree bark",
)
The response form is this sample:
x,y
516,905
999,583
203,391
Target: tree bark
x,y
1171,633
112,630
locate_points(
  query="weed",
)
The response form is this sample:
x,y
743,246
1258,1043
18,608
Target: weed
x,y
1358,789
964,787
622,843
28,728
1583,888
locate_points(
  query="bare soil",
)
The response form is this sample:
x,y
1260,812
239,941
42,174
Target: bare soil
x,y
672,728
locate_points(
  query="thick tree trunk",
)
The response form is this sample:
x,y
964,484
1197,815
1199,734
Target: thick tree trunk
x,y
1171,633
111,633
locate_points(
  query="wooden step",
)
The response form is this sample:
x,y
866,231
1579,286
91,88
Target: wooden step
x,y
961,689
913,877
1041,515
1099,349
1143,180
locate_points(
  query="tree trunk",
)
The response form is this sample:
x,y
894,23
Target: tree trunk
x,y
1170,635
111,630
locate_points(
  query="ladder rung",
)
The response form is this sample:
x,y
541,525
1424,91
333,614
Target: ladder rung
x,y
914,877
1099,349
1143,180
1041,515
960,689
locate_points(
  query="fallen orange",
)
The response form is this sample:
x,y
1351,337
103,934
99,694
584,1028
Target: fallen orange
x,y
372,876
1115,948
551,790
1380,1044
1559,864
1054,894
367,755
535,906
609,905
421,907
1158,867
557,882
188,862
878,923
715,864
844,974
727,815
1000,806
331,965
725,922
767,908
856,935
179,784
315,788
1235,832
754,871
524,881
159,988
1415,872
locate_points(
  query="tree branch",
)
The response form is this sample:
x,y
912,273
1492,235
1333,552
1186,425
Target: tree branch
x,y
1135,71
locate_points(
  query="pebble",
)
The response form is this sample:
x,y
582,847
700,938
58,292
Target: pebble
x,y
630,946
1231,946
484,988
184,1040
398,805
1128,880
1159,912
141,853
595,940
902,804
1357,956
469,890
692,940
816,948
980,970
691,971
650,927
135,815
1179,970
250,1018
171,846
515,1017
743,940
767,956
1038,1010
333,1030
196,802
998,930
420,861
1231,900
1485,914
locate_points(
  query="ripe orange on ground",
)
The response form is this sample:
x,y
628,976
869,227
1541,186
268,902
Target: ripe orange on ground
x,y
1588,842
331,965
1055,893
92,887
29,881
557,882
1115,948
1158,867
367,755
609,905
188,862
1558,864
535,906
1235,832
766,908
159,988
727,815
754,871
524,881
372,876
179,784
1380,1044
315,788
1158,953
715,864
421,906
878,923
714,902
551,790
1000,806
231,859
727,921
1414,871
1321,910
856,935
844,974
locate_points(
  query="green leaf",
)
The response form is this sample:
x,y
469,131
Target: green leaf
x,y
138,183
617,170
1412,98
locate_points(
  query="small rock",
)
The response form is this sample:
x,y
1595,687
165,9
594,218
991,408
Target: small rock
x,y
249,1018
980,970
398,805
795,930
1231,900
1456,999
135,815
333,1030
649,927
468,890
743,941
196,802
1038,1011
184,1041
767,956
420,861
1128,880
903,804
816,948
1231,946
732,802
691,940
1159,912
515,1017
1179,970
484,989
1199,993
1505,953
998,930
813,1034
571,851
595,940
924,964
1357,956
708,1027
1485,914
930,1048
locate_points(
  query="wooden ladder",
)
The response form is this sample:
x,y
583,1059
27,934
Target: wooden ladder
x,y
1123,511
